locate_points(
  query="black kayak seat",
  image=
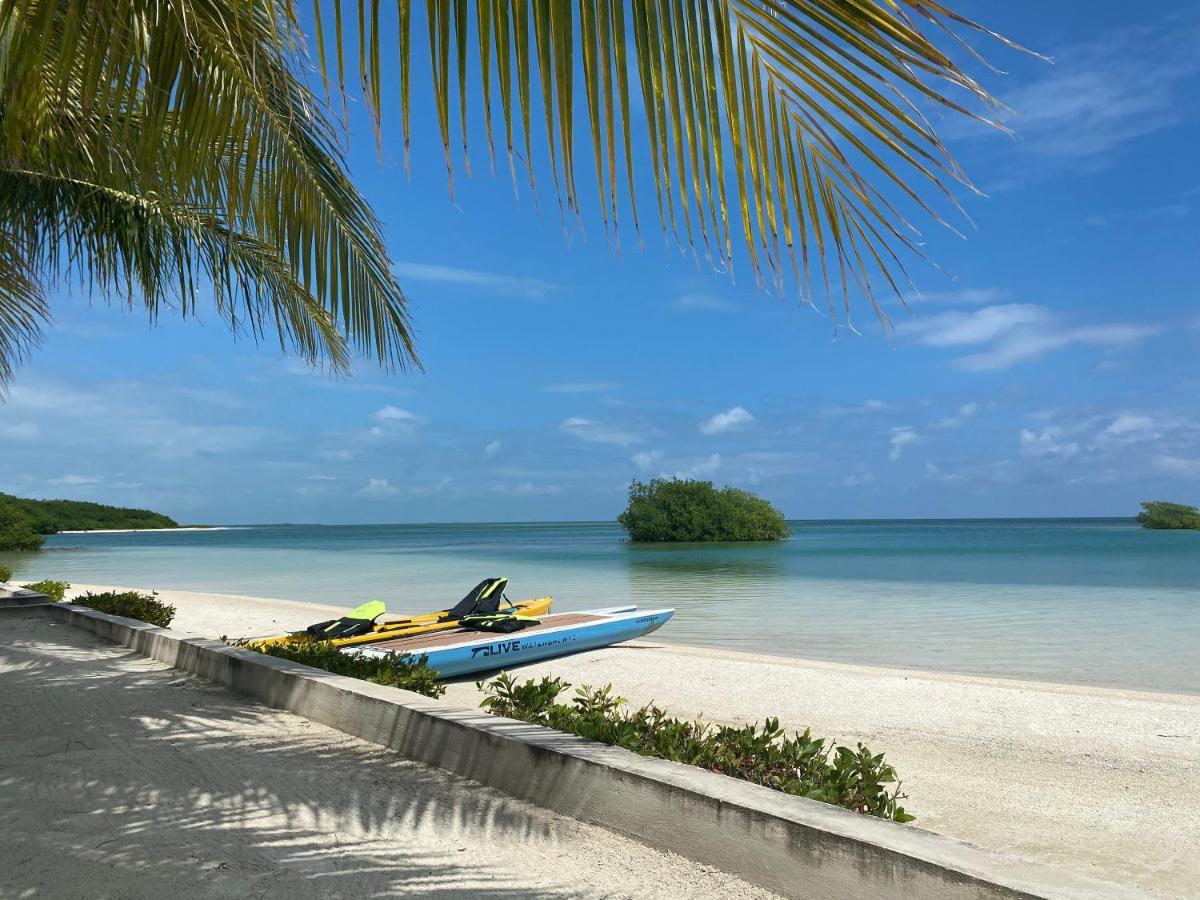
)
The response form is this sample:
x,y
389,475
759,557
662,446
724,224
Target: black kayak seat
x,y
484,598
504,623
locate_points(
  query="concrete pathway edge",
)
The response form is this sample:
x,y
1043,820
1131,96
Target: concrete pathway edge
x,y
790,845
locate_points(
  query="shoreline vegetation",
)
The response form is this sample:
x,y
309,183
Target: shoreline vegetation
x,y
1164,516
25,522
679,510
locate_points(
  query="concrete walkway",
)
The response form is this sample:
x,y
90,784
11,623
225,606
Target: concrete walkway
x,y
121,778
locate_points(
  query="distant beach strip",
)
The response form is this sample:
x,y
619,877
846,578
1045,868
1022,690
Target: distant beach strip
x,y
141,530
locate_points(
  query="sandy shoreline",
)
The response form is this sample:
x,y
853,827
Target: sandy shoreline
x,y
140,530
1098,780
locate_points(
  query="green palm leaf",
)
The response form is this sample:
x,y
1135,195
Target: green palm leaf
x,y
188,131
197,161
815,106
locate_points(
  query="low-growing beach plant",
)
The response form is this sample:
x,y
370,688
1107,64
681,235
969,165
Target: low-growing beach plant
x,y
5,574
394,669
801,764
131,604
55,590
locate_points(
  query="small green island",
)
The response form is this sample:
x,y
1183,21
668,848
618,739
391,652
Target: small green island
x,y
1160,514
682,510
24,523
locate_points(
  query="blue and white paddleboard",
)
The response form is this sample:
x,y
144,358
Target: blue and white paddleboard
x,y
464,652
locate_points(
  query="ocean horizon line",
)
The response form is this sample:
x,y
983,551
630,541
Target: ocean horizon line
x,y
613,522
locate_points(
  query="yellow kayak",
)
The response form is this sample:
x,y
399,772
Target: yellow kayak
x,y
370,622
432,622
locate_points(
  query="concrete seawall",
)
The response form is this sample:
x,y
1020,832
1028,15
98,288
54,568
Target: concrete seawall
x,y
796,847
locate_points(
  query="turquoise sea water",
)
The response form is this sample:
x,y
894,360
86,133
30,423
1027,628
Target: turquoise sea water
x,y
1097,601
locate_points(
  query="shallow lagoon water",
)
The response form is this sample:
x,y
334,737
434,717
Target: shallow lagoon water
x,y
1097,601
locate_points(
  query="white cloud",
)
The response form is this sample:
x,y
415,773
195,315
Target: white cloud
x,y
594,432
646,460
964,297
582,387
1178,465
75,480
491,449
706,302
901,438
864,408
730,420
393,414
1101,94
437,487
1129,429
854,481
485,282
1046,444
1096,97
1136,216
956,328
320,478
338,455
526,489
1016,333
378,488
934,473
964,412
394,420
1024,347
136,416
706,468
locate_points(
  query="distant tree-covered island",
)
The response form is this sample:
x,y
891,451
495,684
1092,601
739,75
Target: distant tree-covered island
x,y
25,522
1164,515
682,510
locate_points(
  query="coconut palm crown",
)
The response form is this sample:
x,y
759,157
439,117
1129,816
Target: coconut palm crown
x,y
166,152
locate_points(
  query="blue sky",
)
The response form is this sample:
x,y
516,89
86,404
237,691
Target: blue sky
x,y
1055,374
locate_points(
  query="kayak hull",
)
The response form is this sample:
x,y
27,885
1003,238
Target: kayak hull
x,y
465,652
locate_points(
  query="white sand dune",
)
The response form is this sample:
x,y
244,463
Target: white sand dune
x,y
1097,780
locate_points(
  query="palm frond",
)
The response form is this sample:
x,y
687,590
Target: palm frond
x,y
810,111
799,125
197,109
23,309
150,249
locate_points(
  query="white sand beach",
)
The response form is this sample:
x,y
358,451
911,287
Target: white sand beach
x,y
1095,780
140,530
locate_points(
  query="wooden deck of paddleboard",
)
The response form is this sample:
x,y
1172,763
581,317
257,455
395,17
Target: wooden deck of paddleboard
x,y
466,636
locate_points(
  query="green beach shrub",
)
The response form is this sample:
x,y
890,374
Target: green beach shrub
x,y
55,590
1161,514
684,510
5,574
801,764
394,669
17,531
131,604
